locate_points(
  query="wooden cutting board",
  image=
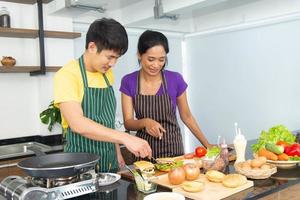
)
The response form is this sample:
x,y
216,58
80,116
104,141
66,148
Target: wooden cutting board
x,y
211,190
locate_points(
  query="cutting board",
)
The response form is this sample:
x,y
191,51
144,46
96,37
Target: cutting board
x,y
211,190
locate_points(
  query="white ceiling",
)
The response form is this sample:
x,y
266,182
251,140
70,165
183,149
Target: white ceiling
x,y
194,15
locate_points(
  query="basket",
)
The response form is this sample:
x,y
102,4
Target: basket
x,y
256,173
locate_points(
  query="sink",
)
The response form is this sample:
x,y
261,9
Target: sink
x,y
22,148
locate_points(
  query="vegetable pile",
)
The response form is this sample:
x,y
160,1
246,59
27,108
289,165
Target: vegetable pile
x,y
277,144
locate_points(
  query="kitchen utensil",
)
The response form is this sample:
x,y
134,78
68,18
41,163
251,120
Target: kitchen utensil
x,y
58,165
129,169
153,160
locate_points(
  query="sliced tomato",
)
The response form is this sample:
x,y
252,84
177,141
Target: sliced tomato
x,y
200,151
188,156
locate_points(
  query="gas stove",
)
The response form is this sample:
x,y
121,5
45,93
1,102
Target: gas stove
x,y
30,188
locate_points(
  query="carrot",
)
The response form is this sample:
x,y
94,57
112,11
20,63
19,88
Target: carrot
x,y
283,156
268,154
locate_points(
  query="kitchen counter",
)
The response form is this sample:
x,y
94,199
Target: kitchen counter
x,y
281,182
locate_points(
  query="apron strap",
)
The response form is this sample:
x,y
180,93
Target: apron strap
x,y
138,83
164,82
84,76
106,80
83,73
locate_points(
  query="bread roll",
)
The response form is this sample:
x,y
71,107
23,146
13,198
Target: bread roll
x,y
144,166
234,180
214,176
193,186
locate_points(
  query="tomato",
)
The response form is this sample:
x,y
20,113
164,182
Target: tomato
x,y
188,156
282,143
200,151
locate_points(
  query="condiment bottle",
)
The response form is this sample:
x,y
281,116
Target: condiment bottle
x,y
224,152
240,144
4,18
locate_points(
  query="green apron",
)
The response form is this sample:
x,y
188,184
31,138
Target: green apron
x,y
99,105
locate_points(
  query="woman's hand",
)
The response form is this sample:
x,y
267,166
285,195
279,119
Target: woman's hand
x,y
154,128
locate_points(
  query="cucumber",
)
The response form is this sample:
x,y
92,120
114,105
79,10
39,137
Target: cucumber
x,y
275,148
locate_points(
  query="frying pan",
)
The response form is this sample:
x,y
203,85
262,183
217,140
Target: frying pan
x,y
58,165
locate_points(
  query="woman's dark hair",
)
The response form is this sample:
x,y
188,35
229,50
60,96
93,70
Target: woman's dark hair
x,y
149,39
107,34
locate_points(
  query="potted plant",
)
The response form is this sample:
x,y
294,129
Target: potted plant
x,y
51,116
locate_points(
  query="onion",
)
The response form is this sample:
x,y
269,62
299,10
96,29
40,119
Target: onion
x,y
192,171
176,176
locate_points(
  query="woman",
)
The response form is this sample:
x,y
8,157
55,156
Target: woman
x,y
153,94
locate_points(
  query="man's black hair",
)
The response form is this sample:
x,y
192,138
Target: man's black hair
x,y
107,34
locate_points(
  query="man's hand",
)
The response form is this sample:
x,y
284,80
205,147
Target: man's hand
x,y
137,146
154,128
120,160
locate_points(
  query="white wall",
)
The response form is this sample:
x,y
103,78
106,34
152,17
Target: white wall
x,y
249,76
23,97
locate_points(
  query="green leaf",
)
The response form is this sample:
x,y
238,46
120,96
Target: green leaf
x,y
51,116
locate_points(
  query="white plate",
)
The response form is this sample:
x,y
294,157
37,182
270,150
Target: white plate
x,y
109,178
284,164
164,196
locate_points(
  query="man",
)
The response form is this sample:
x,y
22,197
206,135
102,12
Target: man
x,y
83,92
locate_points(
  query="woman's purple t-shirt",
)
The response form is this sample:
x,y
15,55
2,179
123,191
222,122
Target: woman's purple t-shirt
x,y
175,85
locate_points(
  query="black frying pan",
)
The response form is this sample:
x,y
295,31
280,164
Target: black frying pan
x,y
59,165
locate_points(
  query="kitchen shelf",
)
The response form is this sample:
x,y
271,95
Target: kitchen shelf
x,y
33,33
26,1
27,69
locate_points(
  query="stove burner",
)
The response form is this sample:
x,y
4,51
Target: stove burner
x,y
53,182
30,188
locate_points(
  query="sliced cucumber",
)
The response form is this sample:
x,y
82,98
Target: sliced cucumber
x,y
275,148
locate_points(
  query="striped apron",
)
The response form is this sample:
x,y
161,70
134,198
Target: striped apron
x,y
160,109
99,105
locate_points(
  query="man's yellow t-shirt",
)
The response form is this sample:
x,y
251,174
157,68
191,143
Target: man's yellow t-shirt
x,y
68,84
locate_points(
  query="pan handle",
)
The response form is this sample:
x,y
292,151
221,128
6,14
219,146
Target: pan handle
x,y
81,167
36,151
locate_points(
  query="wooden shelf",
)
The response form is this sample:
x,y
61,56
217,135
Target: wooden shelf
x,y
27,69
33,33
26,1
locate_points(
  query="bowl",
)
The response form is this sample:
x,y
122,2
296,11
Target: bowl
x,y
216,163
281,163
8,61
165,196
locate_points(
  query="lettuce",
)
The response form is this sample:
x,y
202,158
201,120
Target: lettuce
x,y
275,134
294,158
213,152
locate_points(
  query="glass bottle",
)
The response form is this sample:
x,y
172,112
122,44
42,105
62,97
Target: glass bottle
x,y
4,18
